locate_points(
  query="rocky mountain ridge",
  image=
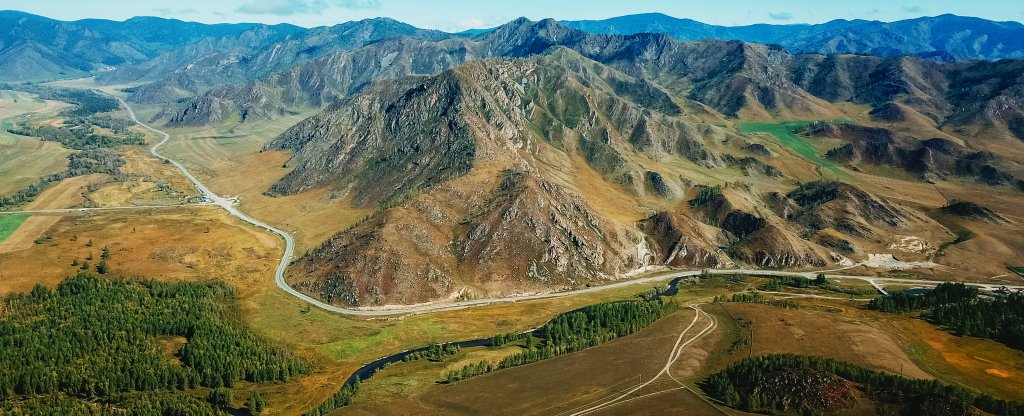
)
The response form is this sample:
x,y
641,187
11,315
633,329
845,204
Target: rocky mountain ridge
x,y
475,173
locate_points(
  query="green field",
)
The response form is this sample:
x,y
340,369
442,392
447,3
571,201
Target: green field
x,y
9,223
1017,269
784,132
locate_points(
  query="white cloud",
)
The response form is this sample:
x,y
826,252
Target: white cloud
x,y
466,24
282,7
781,16
914,9
357,4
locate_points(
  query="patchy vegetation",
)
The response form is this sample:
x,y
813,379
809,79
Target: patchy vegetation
x,y
78,133
575,331
85,102
959,309
79,164
901,302
812,385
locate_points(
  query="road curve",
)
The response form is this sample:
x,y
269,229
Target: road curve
x,y
289,251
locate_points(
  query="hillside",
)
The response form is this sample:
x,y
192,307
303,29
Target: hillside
x,y
478,176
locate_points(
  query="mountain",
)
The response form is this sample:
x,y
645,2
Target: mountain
x,y
944,37
250,55
717,77
536,157
512,175
37,48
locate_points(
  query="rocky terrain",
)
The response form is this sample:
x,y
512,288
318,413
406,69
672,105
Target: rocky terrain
x,y
712,78
472,174
935,158
536,157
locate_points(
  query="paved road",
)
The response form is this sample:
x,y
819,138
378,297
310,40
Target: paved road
x,y
289,250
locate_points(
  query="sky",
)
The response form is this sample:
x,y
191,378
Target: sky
x,y
457,15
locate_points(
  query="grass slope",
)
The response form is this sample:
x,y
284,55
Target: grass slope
x,y
784,132
10,223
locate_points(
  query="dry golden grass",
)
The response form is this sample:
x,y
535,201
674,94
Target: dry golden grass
x,y
547,387
14,103
23,160
228,159
841,334
69,193
979,364
168,244
147,172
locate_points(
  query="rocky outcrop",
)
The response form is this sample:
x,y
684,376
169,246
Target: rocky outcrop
x,y
752,166
845,208
523,234
932,158
971,210
683,242
385,144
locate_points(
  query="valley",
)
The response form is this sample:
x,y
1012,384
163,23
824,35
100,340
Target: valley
x,y
621,222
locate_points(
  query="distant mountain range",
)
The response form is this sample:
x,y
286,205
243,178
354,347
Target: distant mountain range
x,y
945,37
34,48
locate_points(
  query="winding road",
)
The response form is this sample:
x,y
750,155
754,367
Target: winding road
x,y
289,251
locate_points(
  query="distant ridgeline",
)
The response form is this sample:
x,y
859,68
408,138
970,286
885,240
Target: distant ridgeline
x,y
958,308
96,346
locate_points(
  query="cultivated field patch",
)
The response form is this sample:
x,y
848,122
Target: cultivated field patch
x,y
783,131
10,223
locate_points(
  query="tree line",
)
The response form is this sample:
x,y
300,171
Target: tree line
x,y
341,398
79,164
136,404
959,309
571,332
77,133
753,385
97,338
84,102
1001,319
902,302
433,352
756,298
